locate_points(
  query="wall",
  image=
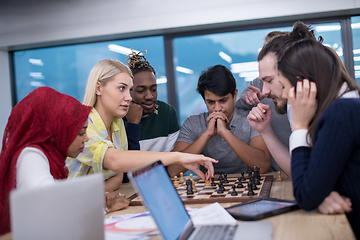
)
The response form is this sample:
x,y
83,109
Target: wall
x,y
34,23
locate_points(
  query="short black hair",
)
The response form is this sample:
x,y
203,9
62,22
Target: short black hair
x,y
217,79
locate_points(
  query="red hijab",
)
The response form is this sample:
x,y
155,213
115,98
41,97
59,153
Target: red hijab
x,y
44,119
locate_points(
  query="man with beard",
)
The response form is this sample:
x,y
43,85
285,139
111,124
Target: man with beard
x,y
261,118
222,132
270,96
277,129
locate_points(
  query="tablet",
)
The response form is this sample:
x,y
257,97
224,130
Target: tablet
x,y
261,208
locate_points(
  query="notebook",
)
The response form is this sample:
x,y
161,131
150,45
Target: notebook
x,y
161,199
68,209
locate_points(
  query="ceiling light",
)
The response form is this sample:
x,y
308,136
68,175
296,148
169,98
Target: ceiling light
x,y
161,80
121,49
225,57
36,62
327,28
244,67
184,70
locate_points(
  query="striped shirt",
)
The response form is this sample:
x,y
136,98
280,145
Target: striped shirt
x,y
91,159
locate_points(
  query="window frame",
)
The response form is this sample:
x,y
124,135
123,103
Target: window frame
x,y
170,35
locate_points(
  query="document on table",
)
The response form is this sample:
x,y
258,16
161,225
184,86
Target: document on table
x,y
212,214
129,226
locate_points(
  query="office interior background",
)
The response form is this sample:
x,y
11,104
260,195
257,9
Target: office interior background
x,y
57,42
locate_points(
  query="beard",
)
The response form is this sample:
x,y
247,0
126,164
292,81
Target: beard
x,y
280,104
281,107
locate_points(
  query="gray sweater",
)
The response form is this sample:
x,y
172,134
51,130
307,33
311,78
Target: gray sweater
x,y
279,123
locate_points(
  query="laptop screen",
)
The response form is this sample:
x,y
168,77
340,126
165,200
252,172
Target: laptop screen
x,y
162,200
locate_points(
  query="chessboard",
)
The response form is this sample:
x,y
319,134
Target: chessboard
x,y
210,194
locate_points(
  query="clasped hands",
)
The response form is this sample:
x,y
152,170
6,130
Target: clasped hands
x,y
217,122
115,201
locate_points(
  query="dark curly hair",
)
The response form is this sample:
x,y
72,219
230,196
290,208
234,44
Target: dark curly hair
x,y
138,63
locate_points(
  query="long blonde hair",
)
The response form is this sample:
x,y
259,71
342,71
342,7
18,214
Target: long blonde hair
x,y
102,72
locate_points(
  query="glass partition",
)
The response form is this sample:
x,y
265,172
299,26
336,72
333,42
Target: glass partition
x,y
66,68
355,26
236,50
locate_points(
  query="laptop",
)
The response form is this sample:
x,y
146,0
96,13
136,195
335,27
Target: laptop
x,y
161,199
67,209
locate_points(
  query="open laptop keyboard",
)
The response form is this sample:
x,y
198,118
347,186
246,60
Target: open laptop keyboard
x,y
213,232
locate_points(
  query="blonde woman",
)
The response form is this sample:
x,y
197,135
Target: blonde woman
x,y
108,92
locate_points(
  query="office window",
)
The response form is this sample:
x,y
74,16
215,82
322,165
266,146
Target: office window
x,y
236,50
355,25
66,68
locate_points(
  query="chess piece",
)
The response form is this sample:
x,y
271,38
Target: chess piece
x,y
254,187
176,182
252,182
243,177
240,185
189,190
280,177
234,193
207,182
193,184
257,175
213,184
250,190
225,178
220,189
182,180
257,182
221,177
222,186
185,182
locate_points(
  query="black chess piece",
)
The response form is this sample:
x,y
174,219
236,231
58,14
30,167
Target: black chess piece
x,y
221,187
221,182
257,175
225,178
221,177
213,184
234,193
254,187
250,190
239,185
189,188
243,177
252,182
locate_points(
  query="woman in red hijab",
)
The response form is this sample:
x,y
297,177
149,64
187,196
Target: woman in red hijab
x,y
43,129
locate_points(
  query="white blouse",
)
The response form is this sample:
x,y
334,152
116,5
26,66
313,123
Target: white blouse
x,y
32,169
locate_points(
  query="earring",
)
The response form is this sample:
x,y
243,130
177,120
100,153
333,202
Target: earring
x,y
156,111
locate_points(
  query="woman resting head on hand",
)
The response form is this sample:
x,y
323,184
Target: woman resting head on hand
x,y
325,117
